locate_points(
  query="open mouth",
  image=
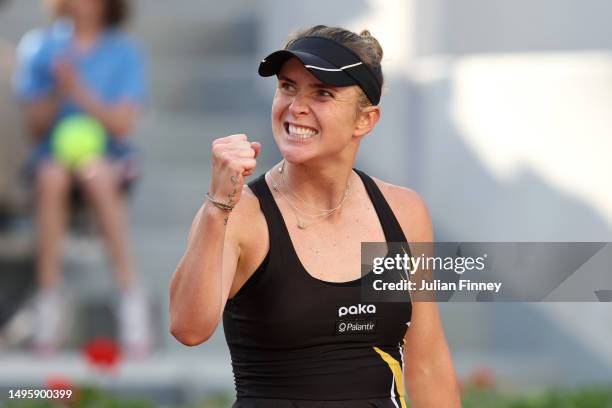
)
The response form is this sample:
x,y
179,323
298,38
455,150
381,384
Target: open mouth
x,y
298,131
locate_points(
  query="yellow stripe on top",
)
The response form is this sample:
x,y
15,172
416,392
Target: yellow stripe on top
x,y
396,369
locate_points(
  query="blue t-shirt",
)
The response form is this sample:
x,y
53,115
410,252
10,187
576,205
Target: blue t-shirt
x,y
113,68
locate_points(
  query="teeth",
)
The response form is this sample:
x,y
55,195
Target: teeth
x,y
301,131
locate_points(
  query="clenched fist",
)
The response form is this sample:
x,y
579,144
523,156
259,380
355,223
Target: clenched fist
x,y
233,158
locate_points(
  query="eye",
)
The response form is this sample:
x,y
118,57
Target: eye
x,y
286,86
324,94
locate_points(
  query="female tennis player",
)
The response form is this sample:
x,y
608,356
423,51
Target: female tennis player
x,y
279,259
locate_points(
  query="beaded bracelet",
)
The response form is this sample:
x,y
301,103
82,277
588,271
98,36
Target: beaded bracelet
x,y
220,204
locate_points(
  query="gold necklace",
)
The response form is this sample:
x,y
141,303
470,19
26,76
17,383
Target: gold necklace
x,y
318,217
282,171
296,211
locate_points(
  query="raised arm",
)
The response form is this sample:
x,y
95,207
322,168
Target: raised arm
x,y
203,278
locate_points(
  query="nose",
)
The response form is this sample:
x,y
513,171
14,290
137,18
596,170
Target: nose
x,y
299,105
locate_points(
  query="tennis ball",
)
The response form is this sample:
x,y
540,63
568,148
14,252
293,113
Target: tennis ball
x,y
77,140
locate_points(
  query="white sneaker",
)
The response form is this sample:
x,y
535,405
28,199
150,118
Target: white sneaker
x,y
134,324
48,310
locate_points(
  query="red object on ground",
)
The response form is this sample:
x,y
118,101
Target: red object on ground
x,y
58,383
103,353
482,378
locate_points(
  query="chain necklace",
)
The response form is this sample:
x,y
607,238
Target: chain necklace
x,y
282,171
318,217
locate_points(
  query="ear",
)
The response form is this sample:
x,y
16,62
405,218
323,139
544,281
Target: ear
x,y
366,120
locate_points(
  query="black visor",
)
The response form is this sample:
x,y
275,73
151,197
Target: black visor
x,y
330,62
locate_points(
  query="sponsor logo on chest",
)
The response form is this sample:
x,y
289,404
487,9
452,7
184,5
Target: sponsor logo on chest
x,y
358,309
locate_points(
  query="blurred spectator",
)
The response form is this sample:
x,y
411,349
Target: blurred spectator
x,y
83,64
11,139
16,246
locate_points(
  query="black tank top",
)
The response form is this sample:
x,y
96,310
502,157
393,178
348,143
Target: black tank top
x,y
298,341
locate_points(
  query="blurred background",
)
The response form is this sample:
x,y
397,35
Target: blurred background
x,y
496,112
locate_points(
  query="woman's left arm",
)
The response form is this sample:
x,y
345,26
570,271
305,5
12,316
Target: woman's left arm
x,y
430,378
429,374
